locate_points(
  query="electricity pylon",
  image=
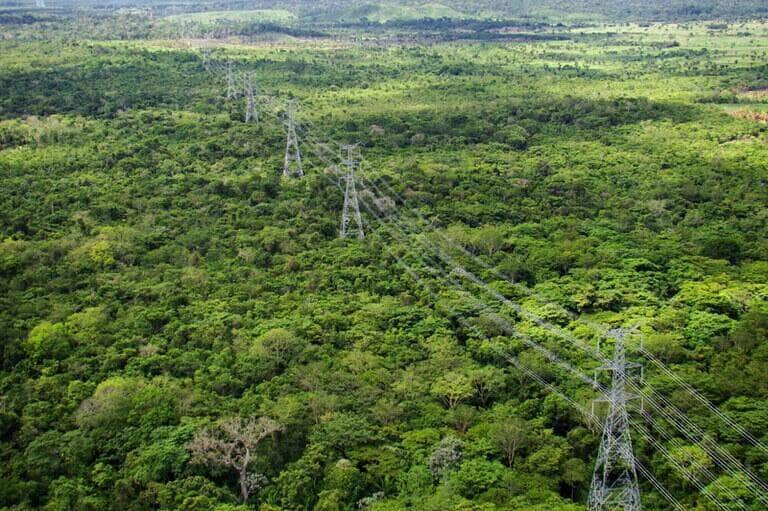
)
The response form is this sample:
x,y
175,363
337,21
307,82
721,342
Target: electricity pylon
x,y
206,59
251,114
351,205
614,483
292,166
185,32
231,88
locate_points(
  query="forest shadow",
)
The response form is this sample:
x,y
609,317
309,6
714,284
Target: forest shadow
x,y
511,121
460,111
121,81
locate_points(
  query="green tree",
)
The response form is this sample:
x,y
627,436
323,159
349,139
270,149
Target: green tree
x,y
511,436
575,473
693,460
453,388
478,475
48,341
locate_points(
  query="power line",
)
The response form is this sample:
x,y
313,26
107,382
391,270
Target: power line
x,y
524,368
600,328
325,148
723,458
552,358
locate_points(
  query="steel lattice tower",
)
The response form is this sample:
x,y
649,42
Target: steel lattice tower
x,y
614,484
351,204
251,114
231,89
206,59
292,166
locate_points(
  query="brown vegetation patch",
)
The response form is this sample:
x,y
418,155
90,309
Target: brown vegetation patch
x,y
750,115
755,94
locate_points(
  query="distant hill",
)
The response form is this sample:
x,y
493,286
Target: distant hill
x,y
383,11
549,10
620,9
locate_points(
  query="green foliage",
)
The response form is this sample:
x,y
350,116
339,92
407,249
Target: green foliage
x,y
477,475
703,326
47,341
158,277
340,487
162,460
453,388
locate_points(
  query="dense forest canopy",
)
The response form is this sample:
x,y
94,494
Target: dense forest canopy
x,y
182,327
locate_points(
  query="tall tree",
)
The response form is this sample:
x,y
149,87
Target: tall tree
x,y
232,443
510,435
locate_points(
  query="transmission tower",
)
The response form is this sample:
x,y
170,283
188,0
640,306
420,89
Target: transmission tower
x,y
231,89
351,205
206,59
614,484
292,166
251,114
184,32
